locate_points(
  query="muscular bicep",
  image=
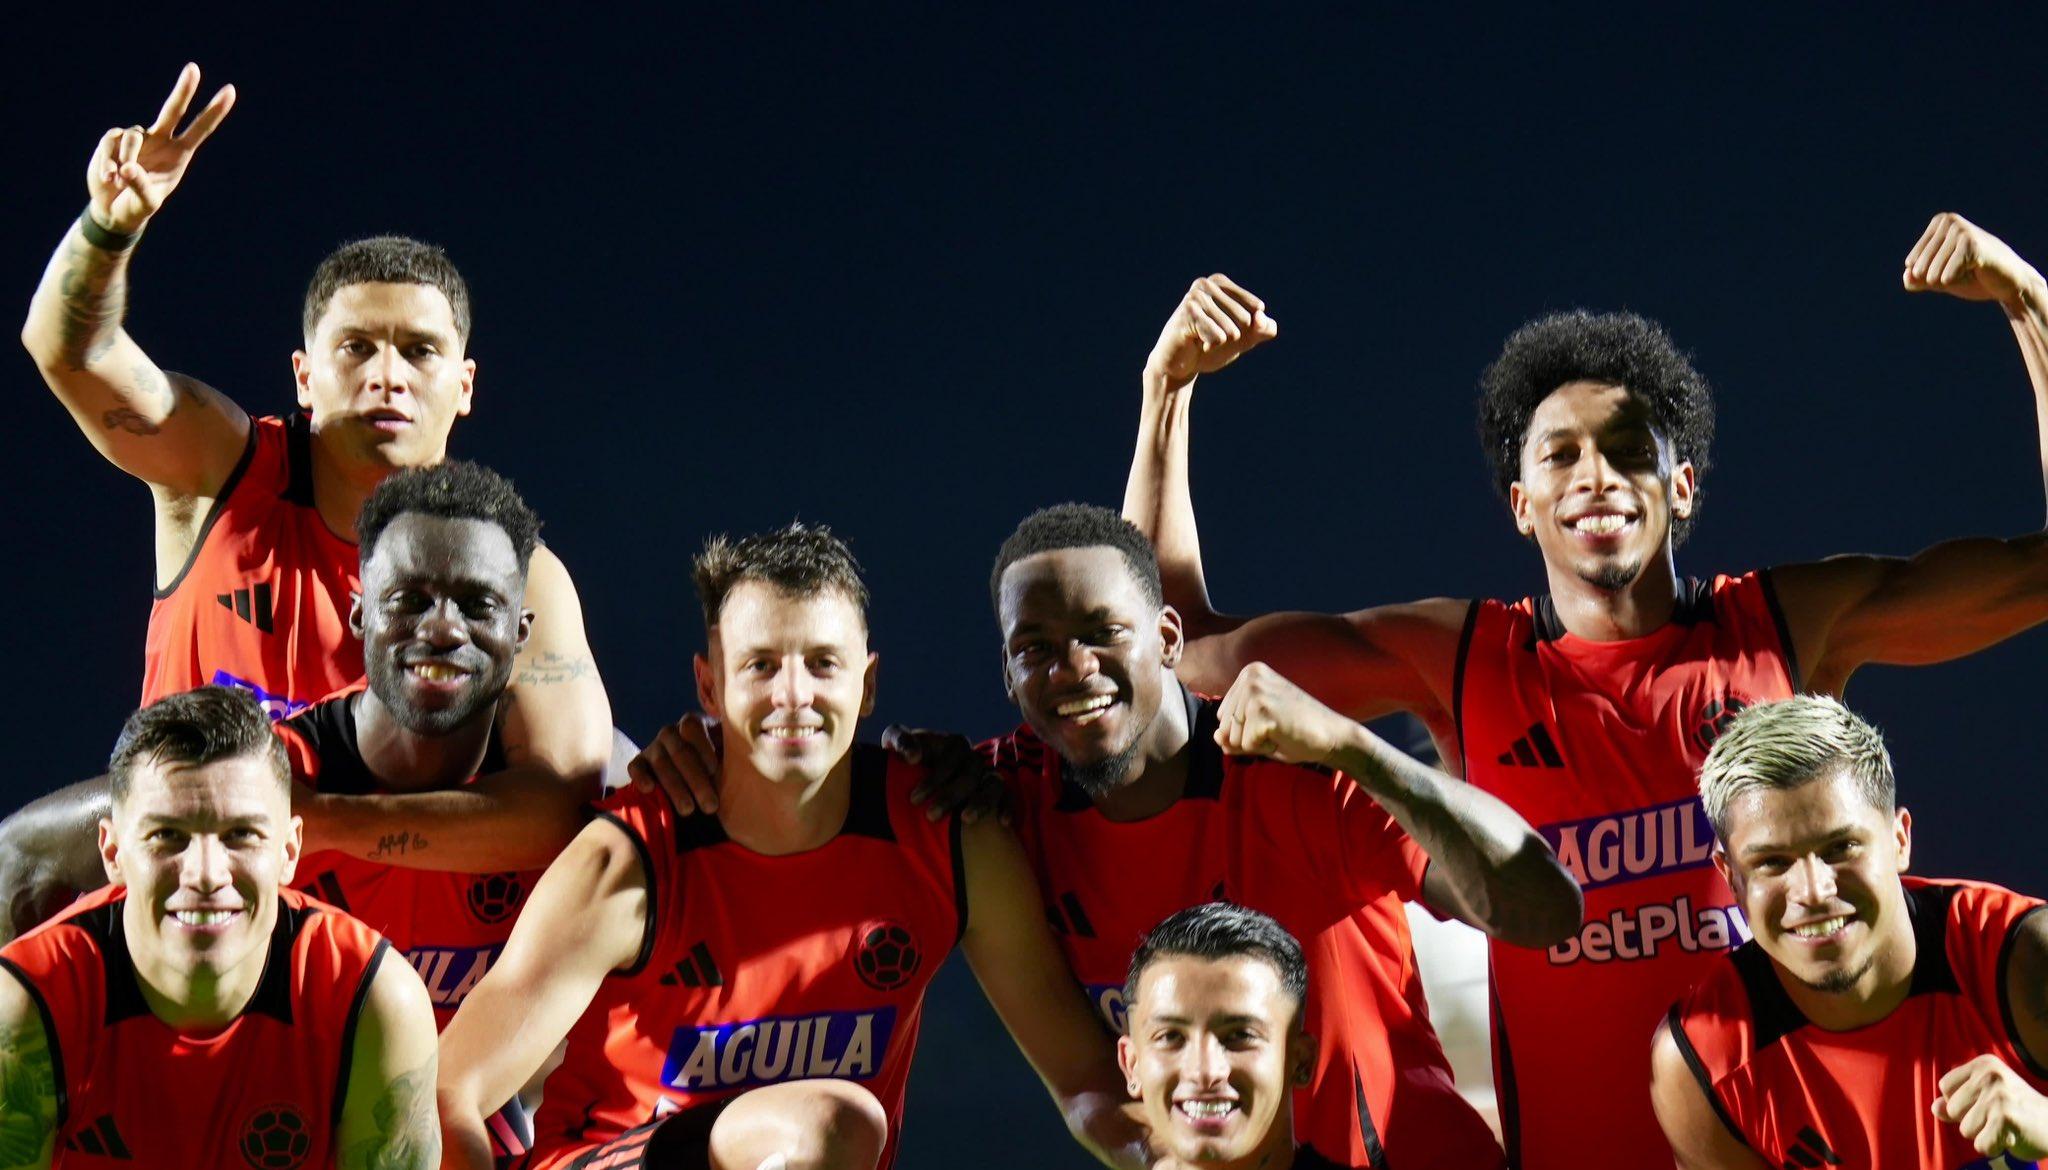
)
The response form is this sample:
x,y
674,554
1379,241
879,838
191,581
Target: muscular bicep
x,y
28,1081
2026,987
586,918
1363,664
388,1120
1699,1139
1951,599
556,711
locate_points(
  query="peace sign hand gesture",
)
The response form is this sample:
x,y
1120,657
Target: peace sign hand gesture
x,y
134,169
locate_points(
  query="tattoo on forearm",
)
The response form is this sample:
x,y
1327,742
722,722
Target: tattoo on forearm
x,y
548,668
397,845
92,298
404,1132
28,1095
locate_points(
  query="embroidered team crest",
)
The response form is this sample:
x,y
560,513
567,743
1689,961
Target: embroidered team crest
x,y
275,1138
886,956
493,897
1715,720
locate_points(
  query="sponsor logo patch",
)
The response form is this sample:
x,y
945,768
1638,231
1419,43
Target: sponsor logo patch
x,y
741,1055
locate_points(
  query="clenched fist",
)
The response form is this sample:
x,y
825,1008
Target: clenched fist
x,y
1996,1110
1266,715
1959,258
1216,323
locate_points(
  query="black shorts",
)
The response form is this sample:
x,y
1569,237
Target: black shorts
x,y
680,1141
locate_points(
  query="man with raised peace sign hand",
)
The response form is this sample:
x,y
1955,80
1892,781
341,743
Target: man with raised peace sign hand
x,y
256,562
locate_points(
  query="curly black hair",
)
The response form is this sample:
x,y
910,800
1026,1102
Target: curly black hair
x,y
1079,526
457,490
798,560
1621,349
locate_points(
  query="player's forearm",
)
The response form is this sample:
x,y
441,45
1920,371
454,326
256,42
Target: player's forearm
x,y
49,855
2028,316
516,819
465,1139
1158,500
76,314
1502,876
1108,1126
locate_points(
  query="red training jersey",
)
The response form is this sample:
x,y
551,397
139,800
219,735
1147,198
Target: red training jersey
x,y
1800,1095
265,1091
1599,745
1307,847
450,926
263,601
757,970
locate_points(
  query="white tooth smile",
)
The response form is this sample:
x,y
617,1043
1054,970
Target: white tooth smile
x,y
1208,1110
203,917
790,732
1601,525
1822,929
435,671
1085,710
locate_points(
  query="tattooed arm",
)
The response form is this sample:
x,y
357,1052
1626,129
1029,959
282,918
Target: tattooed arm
x,y
556,728
168,430
388,1121
28,1082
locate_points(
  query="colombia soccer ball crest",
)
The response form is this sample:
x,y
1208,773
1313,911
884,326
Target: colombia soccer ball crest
x,y
275,1138
494,896
885,955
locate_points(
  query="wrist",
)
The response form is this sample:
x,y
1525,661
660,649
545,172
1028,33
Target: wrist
x,y
104,237
2029,297
1160,385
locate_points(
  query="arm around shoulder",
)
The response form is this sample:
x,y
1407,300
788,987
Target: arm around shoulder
x,y
557,713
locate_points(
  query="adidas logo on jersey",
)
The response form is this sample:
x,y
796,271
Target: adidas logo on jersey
x,y
101,1138
1067,917
1809,1150
1534,750
697,969
741,1055
251,605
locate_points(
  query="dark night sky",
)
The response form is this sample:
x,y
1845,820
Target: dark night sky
x,y
899,272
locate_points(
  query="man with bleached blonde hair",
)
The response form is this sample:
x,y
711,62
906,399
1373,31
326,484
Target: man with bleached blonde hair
x,y
1866,1001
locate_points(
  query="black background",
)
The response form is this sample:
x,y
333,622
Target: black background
x,y
898,272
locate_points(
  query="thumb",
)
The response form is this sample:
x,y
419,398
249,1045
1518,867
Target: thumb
x,y
774,1162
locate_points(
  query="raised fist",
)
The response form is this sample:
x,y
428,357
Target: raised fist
x,y
1959,258
134,170
1266,715
1215,324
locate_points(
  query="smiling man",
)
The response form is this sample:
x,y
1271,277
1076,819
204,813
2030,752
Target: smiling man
x,y
1589,709
1214,1044
256,563
195,1014
747,986
1875,1020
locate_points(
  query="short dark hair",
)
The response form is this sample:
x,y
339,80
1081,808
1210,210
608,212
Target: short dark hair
x,y
1620,349
455,489
386,260
1220,930
798,560
1079,526
195,728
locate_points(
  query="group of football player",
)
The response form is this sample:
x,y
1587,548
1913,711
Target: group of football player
x,y
370,879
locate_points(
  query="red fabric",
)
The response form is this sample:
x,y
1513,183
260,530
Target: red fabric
x,y
264,602
1599,744
754,974
1305,846
184,1100
1867,1093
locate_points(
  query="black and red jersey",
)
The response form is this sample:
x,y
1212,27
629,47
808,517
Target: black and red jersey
x,y
1802,1095
263,601
1599,745
266,1090
1307,847
450,926
757,970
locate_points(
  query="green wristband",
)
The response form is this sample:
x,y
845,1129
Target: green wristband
x,y
105,239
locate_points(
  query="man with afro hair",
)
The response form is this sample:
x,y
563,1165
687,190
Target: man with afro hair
x,y
1589,709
